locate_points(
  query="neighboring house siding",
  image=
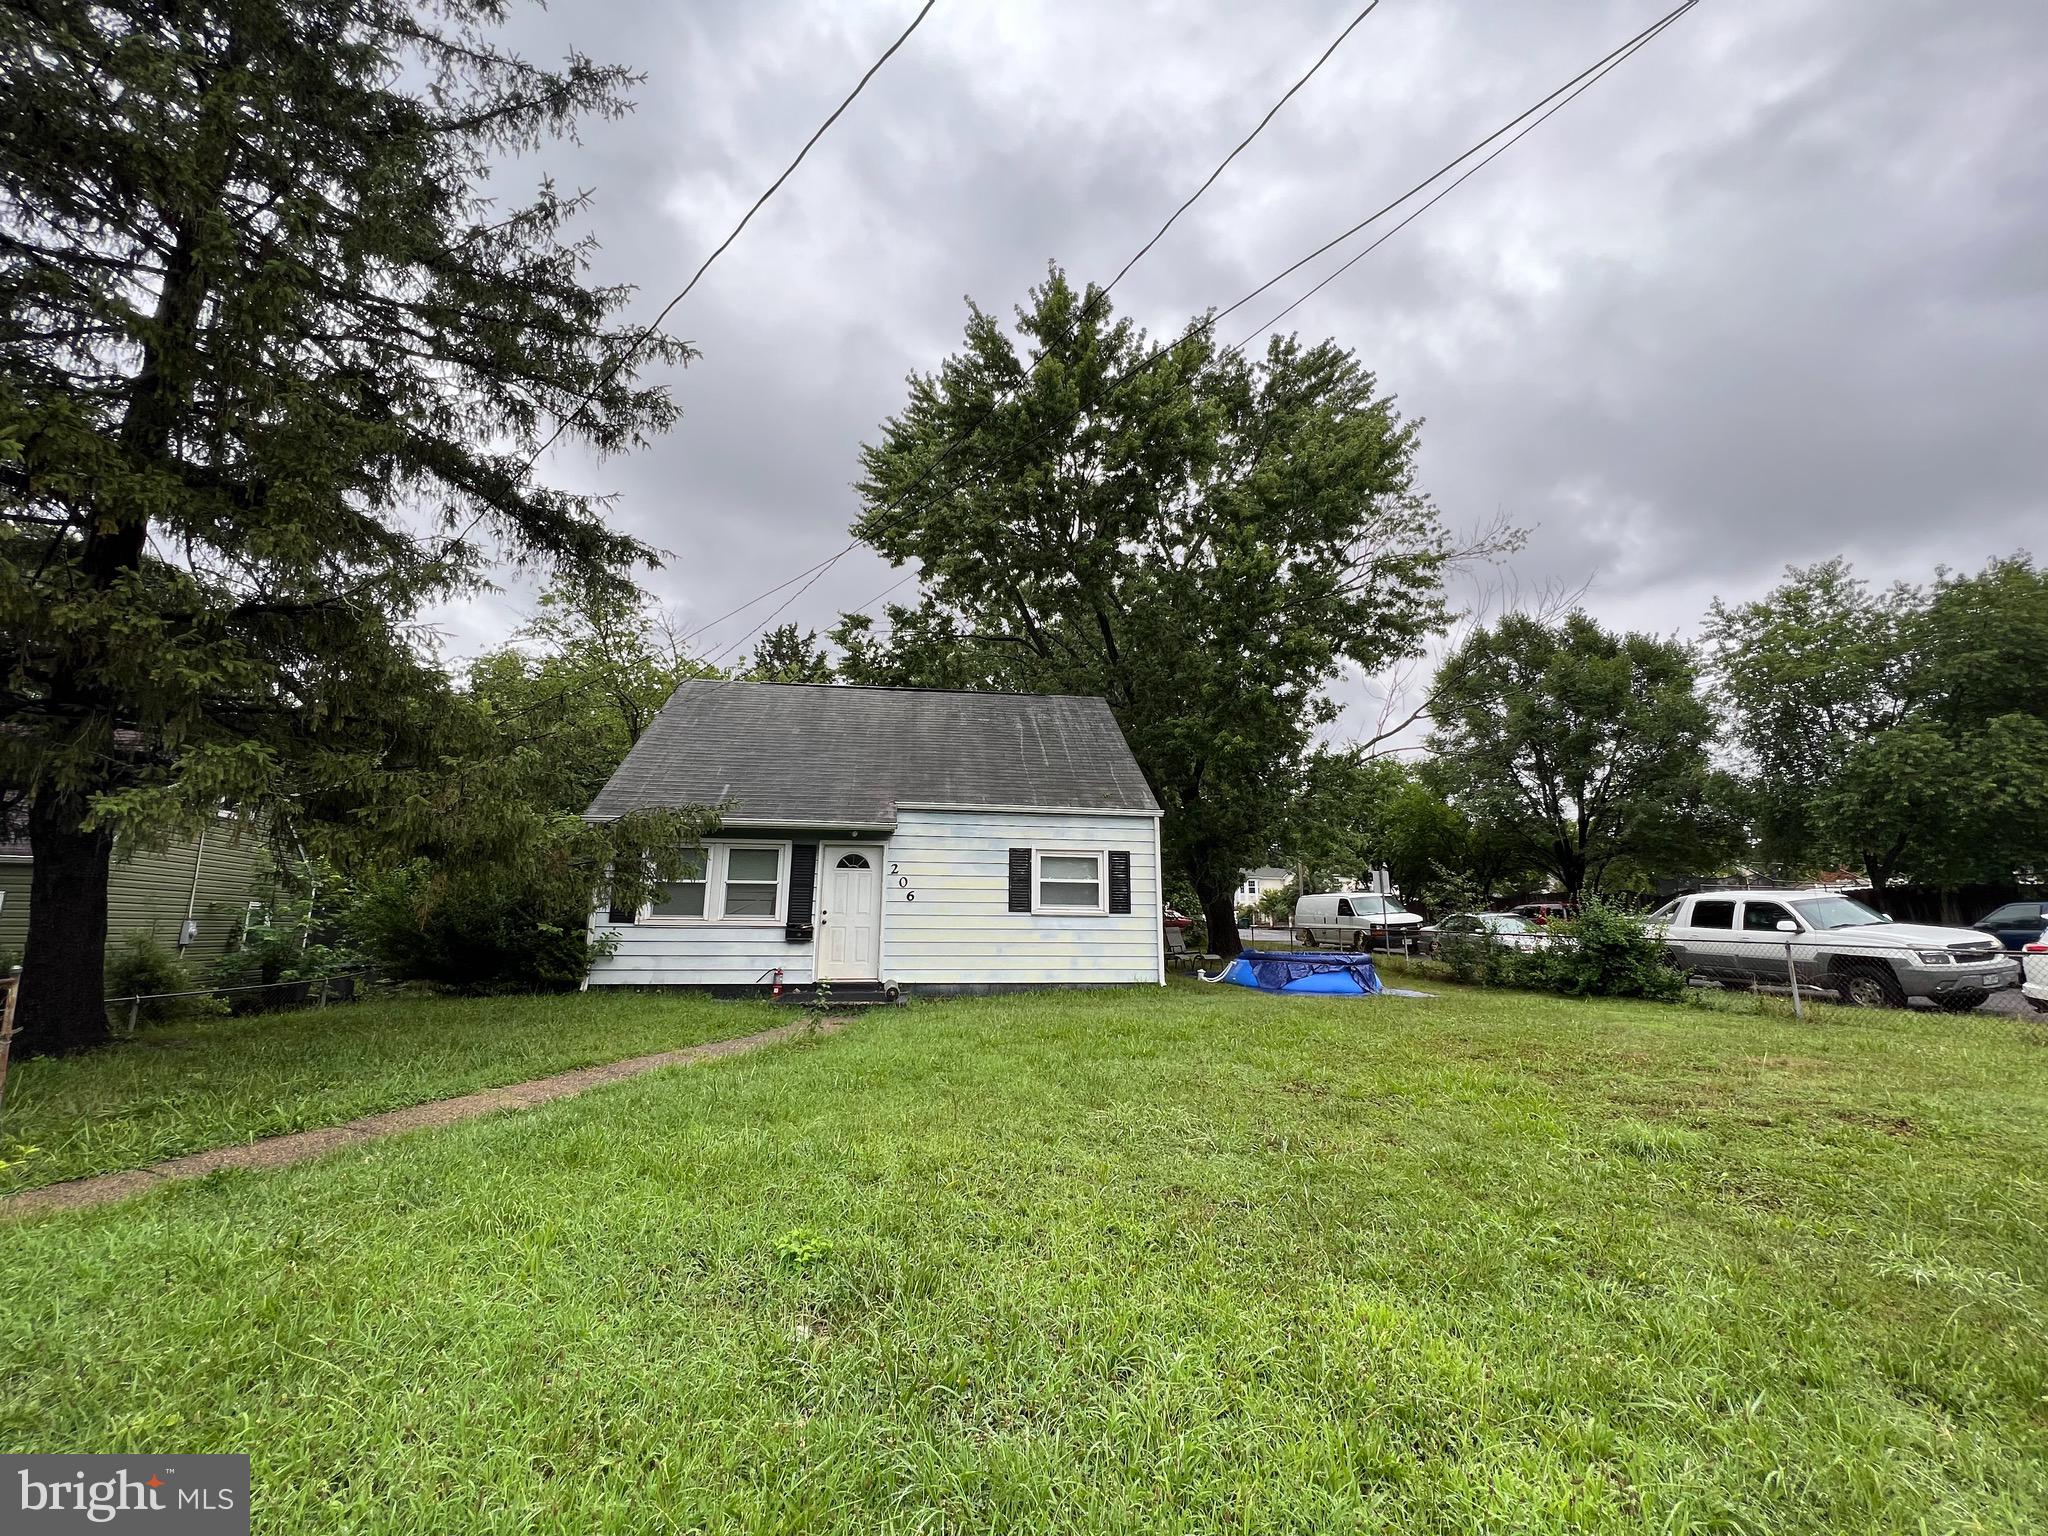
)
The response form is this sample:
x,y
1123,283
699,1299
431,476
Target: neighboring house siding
x,y
960,930
148,890
14,877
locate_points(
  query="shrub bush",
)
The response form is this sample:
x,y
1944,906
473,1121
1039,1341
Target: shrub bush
x,y
141,966
471,935
1603,952
299,939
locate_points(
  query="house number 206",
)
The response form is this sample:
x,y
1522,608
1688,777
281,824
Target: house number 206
x,y
902,882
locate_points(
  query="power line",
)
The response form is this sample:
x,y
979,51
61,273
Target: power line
x,y
1614,62
1271,113
711,624
1166,349
1099,296
745,219
782,608
1599,65
647,332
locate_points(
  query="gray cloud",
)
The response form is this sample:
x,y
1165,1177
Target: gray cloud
x,y
1776,290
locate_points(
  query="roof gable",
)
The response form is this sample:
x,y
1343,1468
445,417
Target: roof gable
x,y
812,753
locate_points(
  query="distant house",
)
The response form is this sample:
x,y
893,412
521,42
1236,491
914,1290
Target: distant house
x,y
193,895
1259,883
889,838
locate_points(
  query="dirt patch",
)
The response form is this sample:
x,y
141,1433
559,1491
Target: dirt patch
x,y
300,1146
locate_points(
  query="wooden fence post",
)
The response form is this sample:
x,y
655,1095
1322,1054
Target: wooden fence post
x,y
9,984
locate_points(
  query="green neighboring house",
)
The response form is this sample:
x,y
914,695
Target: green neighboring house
x,y
193,895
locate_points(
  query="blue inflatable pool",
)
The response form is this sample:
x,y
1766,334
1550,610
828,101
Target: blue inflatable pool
x,y
1285,970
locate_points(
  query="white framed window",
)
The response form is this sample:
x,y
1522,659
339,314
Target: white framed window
x,y
1069,880
683,898
735,883
750,882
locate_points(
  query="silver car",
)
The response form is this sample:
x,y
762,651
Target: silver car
x,y
1747,938
1502,928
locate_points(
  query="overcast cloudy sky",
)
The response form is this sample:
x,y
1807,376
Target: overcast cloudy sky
x,y
1776,290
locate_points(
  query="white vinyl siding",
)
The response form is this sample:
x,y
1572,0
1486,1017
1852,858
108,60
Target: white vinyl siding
x,y
695,934
945,912
960,930
697,955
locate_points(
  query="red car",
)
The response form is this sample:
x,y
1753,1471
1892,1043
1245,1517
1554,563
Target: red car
x,y
1177,919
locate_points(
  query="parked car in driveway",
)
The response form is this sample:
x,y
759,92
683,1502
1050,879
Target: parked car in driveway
x,y
1353,920
1503,928
2035,986
2016,924
1837,945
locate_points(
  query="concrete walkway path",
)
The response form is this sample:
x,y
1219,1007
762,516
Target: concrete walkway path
x,y
299,1146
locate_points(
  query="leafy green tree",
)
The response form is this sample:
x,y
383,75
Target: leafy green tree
x,y
1581,748
1354,811
492,892
787,654
578,685
276,369
1978,681
1203,540
1902,732
1808,678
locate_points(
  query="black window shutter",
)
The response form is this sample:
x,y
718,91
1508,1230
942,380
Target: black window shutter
x,y
803,890
1020,879
1119,880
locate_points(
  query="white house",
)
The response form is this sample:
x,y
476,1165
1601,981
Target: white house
x,y
1258,883
892,838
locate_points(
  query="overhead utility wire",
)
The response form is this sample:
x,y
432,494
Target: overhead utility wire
x,y
1373,218
1243,143
1613,64
745,219
1552,102
1158,234
647,332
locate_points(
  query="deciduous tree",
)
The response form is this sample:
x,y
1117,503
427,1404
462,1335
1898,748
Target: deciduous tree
x,y
1581,747
1201,538
1901,732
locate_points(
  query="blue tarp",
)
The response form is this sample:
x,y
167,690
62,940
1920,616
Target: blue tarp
x,y
1288,970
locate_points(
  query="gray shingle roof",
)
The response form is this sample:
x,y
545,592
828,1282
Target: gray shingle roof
x,y
808,754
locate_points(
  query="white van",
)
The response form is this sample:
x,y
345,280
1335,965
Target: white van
x,y
1353,920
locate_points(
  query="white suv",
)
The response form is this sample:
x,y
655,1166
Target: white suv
x,y
2036,984
1837,945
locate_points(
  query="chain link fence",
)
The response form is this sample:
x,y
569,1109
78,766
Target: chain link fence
x,y
307,992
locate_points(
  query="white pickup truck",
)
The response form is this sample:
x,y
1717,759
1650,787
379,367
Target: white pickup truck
x,y
1837,945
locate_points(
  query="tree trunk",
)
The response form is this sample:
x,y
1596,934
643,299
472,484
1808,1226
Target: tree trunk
x,y
62,1007
1220,913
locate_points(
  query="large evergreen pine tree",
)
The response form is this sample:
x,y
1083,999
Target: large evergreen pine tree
x,y
272,370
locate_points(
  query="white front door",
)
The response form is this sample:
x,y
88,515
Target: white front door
x,y
850,916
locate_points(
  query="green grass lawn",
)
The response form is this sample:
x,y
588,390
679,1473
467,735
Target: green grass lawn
x,y
1199,1260
183,1087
